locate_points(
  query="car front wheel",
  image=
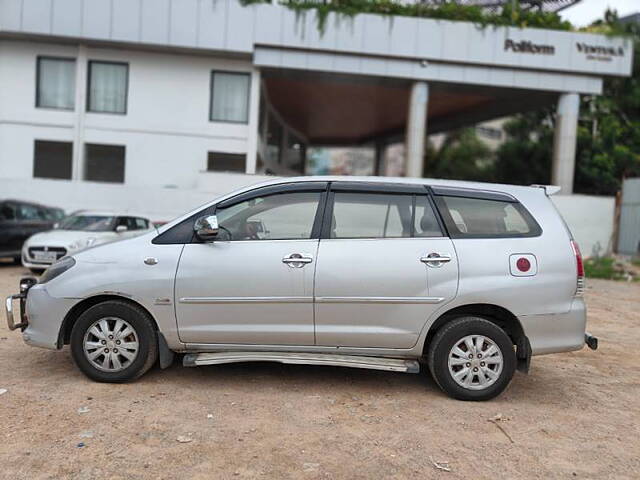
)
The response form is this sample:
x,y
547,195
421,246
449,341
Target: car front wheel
x,y
471,358
114,341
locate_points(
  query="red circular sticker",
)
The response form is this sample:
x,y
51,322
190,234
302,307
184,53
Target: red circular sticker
x,y
523,264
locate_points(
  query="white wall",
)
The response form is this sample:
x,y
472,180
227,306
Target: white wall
x,y
166,130
590,219
160,204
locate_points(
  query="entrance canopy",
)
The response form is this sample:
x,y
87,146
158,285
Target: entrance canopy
x,y
334,109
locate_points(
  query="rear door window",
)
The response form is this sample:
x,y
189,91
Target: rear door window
x,y
368,215
382,215
485,218
425,220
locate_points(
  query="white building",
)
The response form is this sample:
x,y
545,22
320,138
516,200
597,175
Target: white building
x,y
147,105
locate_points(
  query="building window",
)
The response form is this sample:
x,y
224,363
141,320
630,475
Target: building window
x,y
104,163
108,83
52,159
489,132
56,83
230,97
226,162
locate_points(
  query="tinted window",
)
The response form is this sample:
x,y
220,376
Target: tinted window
x,y
369,215
7,211
487,218
52,159
226,162
104,163
29,212
274,217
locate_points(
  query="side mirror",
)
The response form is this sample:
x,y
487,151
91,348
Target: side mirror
x,y
206,228
121,228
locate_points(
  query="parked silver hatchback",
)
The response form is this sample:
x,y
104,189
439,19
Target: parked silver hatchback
x,y
468,279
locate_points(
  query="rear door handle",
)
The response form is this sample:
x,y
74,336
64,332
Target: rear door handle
x,y
435,260
297,260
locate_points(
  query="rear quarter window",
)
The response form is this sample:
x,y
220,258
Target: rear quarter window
x,y
484,218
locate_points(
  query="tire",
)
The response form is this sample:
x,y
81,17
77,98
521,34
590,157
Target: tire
x,y
501,363
37,271
143,338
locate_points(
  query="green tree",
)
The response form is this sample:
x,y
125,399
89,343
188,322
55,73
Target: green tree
x,y
461,156
609,133
525,157
608,144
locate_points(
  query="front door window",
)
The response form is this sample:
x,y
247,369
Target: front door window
x,y
286,216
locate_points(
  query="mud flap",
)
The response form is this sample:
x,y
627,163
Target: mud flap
x,y
165,354
523,354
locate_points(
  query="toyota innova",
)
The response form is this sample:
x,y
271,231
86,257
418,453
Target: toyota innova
x,y
467,280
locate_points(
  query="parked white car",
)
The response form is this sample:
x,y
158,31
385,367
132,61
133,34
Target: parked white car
x,y
470,280
80,231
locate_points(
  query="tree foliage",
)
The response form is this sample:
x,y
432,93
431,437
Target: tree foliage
x,y
525,157
507,16
608,144
460,156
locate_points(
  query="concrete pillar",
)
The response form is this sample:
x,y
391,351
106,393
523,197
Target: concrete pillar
x,y
416,129
254,112
378,159
77,169
564,142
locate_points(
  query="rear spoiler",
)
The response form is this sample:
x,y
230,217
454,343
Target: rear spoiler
x,y
548,189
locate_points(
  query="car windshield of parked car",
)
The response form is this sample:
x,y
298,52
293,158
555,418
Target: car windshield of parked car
x,y
88,223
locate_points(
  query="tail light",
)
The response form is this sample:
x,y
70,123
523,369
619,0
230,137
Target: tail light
x,y
579,268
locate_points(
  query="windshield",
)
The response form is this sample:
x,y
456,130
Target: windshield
x,y
88,223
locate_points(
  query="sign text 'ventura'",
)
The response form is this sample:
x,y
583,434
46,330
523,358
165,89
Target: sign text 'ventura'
x,y
599,52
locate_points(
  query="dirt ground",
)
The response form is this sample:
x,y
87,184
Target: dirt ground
x,y
576,415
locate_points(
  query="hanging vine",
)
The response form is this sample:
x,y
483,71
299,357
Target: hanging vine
x,y
508,16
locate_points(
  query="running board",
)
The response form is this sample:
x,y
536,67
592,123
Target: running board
x,y
353,361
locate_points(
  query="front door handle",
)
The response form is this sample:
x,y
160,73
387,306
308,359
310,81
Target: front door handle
x,y
435,260
297,260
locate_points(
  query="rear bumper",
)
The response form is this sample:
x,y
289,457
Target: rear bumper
x,y
553,333
9,253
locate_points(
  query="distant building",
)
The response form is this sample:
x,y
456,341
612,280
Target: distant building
x,y
633,18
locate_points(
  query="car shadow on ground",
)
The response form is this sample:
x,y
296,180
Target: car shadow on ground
x,y
547,384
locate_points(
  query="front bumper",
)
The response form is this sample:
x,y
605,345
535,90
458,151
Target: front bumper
x,y
41,315
25,284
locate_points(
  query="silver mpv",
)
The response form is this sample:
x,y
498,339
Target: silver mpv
x,y
468,279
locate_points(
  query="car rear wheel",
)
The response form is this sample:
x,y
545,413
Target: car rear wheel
x,y
471,358
114,341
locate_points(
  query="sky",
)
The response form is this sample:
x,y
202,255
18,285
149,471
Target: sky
x,y
585,12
